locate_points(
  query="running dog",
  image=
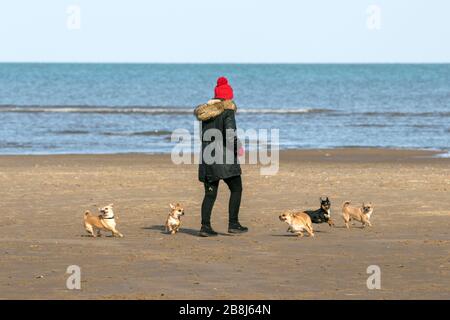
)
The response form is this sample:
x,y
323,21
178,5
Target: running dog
x,y
105,221
298,222
323,214
361,214
173,222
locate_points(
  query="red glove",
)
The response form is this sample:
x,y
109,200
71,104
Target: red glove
x,y
241,151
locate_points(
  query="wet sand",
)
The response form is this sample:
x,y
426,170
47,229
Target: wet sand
x,y
43,199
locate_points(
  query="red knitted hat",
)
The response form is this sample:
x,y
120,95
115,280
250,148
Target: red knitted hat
x,y
223,90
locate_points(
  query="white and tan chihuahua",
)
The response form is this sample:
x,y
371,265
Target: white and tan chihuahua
x,y
105,221
173,222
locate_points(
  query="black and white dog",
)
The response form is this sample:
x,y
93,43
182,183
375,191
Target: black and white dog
x,y
323,214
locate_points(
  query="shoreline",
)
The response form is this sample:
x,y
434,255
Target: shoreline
x,y
427,152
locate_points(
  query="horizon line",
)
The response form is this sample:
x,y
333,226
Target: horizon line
x,y
219,63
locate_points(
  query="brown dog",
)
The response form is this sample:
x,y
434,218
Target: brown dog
x,y
298,222
361,214
105,221
173,222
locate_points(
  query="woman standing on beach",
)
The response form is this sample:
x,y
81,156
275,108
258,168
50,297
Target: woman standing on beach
x,y
218,115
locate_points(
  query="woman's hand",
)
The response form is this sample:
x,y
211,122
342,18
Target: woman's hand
x,y
241,151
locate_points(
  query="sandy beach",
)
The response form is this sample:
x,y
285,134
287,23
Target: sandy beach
x,y
43,199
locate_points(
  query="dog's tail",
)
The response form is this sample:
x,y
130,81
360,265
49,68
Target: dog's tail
x,y
346,203
87,213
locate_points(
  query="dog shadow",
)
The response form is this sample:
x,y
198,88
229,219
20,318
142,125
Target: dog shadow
x,y
352,227
291,235
191,232
102,236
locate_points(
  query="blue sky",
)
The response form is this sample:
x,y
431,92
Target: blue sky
x,y
225,31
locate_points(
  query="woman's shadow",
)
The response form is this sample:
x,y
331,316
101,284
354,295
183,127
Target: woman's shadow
x,y
191,232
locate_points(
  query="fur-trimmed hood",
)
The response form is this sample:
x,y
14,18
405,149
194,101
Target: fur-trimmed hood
x,y
213,108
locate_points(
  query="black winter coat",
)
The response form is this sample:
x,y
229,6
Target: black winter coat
x,y
219,156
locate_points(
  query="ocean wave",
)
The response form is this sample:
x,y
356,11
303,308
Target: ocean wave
x,y
371,125
401,114
95,109
152,110
284,110
139,133
14,145
110,133
71,132
162,110
379,125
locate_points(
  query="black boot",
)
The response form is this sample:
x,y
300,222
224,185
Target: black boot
x,y
236,227
207,231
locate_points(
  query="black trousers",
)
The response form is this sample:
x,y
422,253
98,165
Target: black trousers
x,y
235,186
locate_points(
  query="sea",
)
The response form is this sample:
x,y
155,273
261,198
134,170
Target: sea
x,y
134,108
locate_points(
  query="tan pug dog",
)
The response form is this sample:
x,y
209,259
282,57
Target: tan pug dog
x,y
298,222
105,221
361,214
173,222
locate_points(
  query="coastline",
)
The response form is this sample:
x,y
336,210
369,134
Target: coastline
x,y
345,149
44,197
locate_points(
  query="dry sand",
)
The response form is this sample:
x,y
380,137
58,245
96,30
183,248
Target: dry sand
x,y
43,199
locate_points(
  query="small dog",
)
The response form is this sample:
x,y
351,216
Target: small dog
x,y
323,214
105,221
298,222
361,214
173,222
